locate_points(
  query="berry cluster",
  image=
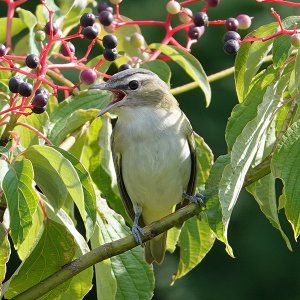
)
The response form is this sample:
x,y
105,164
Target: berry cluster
x,y
90,24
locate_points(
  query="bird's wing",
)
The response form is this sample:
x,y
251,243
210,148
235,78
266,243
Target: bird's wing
x,y
121,185
191,187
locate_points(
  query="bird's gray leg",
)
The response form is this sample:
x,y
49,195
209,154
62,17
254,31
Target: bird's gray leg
x,y
137,230
197,198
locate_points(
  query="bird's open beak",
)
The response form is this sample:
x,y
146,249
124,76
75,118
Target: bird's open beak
x,y
117,95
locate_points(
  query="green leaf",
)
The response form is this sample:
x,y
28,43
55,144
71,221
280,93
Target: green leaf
x,y
27,136
30,21
195,241
286,166
17,27
55,176
21,198
245,149
189,64
172,239
88,192
205,160
4,251
160,68
213,211
67,112
54,248
282,44
295,76
78,286
250,57
133,275
101,164
263,191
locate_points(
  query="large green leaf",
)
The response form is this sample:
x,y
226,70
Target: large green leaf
x,y
195,241
189,64
30,21
88,192
54,248
213,211
160,68
134,277
27,136
205,160
282,45
79,285
17,26
55,176
286,166
263,191
247,110
295,76
245,149
21,198
68,116
250,57
4,251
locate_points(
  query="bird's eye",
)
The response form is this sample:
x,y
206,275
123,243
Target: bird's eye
x,y
133,85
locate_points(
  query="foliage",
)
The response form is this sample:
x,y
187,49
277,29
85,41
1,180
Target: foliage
x,y
56,169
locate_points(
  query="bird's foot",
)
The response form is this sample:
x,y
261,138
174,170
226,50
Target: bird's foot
x,y
137,232
197,199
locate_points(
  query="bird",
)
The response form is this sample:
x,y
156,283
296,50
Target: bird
x,y
153,149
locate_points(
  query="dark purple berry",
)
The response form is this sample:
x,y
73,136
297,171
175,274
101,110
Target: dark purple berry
x,y
64,51
25,89
232,24
38,110
231,47
231,35
195,32
42,91
88,76
124,67
212,3
32,61
110,41
104,6
106,18
110,54
87,19
2,50
14,84
200,19
54,28
40,100
90,32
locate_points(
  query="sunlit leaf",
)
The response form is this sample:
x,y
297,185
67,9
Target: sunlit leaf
x,y
189,64
129,269
55,248
55,176
4,251
21,198
286,166
89,215
17,26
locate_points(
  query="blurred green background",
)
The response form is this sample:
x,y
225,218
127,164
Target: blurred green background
x,y
263,268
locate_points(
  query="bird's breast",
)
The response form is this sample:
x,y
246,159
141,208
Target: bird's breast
x,y
155,155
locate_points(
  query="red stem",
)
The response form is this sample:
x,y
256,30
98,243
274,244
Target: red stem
x,y
280,2
35,131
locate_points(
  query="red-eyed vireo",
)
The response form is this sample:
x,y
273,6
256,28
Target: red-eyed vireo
x,y
153,149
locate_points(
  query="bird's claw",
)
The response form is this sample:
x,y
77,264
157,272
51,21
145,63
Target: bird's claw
x,y
137,232
197,199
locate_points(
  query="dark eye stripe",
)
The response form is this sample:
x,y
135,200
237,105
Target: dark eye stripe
x,y
133,84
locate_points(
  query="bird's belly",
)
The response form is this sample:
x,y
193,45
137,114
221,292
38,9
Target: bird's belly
x,y
156,173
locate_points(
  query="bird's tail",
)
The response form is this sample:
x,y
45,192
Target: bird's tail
x,y
155,249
